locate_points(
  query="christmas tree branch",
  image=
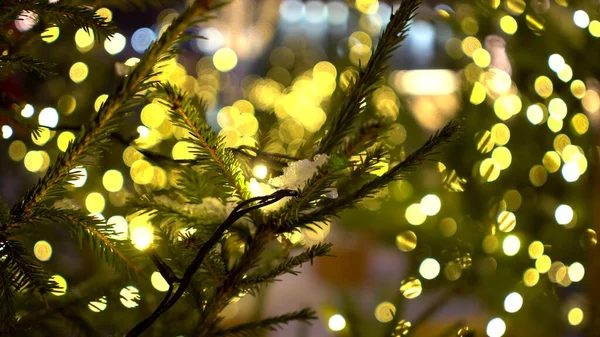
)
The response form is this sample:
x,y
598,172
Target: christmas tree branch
x,y
209,149
95,234
20,62
172,297
286,267
77,16
343,122
98,130
447,134
125,5
254,329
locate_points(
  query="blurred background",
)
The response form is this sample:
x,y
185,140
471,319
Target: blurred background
x,y
498,238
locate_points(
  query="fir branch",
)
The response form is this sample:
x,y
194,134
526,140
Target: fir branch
x,y
238,212
58,13
209,149
19,62
149,204
447,134
343,122
97,133
255,329
287,267
93,233
124,5
9,307
24,271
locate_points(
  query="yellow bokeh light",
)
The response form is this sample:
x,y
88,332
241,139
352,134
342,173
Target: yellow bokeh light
x,y
543,263
130,296
481,57
511,245
116,44
225,59
359,37
566,73
17,150
555,124
360,55
543,86
406,241
158,282
48,117
508,24
94,202
580,123
34,160
84,40
495,327
336,322
66,104
564,214
78,72
119,226
489,170
575,316
50,34
100,101
500,134
594,28
112,180
502,156
576,272
142,237
98,305
469,45
414,215
367,6
535,114
578,89
571,172
538,175
490,244
429,269
560,142
141,172
536,249
105,13
411,288
64,139
183,151
385,311
153,115
431,204
478,94
81,176
506,221
61,289
551,161
42,250
531,277
513,302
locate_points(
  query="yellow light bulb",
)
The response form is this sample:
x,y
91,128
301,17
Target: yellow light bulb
x,y
260,171
142,237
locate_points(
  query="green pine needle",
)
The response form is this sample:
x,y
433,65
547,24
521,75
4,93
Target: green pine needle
x,y
344,122
19,62
256,329
59,14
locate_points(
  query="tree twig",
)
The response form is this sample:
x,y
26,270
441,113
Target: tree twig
x,y
171,298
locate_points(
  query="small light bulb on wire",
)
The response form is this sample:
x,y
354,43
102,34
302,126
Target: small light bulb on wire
x,y
260,171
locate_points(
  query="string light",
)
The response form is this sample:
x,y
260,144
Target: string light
x,y
337,322
260,171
